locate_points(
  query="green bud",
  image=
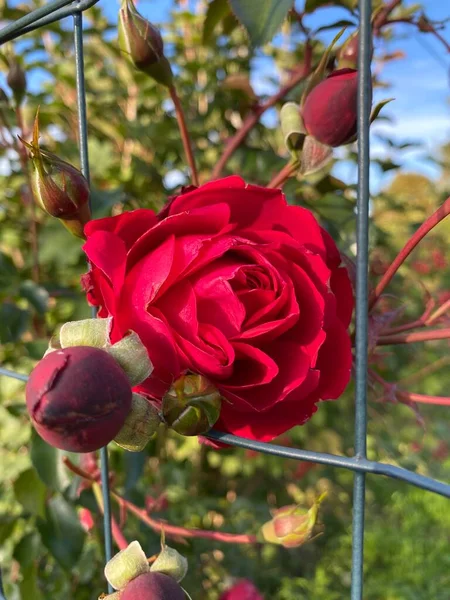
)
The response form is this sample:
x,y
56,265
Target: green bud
x,y
143,43
140,426
170,562
192,405
292,526
17,81
58,187
126,565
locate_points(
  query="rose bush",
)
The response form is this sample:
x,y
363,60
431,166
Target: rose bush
x,y
231,282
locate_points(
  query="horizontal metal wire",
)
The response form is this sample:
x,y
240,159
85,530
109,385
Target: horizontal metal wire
x,y
355,464
52,12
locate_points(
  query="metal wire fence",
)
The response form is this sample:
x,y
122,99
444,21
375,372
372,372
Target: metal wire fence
x,y
358,464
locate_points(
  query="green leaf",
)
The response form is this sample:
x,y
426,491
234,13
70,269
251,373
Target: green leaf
x,y
30,492
8,272
36,295
48,464
263,20
217,10
312,5
13,322
29,587
61,532
27,550
377,109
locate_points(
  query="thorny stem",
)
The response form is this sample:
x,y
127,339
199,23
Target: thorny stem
x,y
240,135
420,322
156,525
184,134
282,176
439,215
409,396
438,312
33,224
416,336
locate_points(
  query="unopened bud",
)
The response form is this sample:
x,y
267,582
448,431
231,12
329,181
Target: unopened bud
x,y
126,565
192,405
292,526
58,187
143,43
170,562
140,426
17,81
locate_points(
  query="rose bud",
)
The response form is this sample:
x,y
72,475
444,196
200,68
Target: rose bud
x,y
192,405
17,81
143,43
58,187
292,526
78,398
153,586
329,111
242,590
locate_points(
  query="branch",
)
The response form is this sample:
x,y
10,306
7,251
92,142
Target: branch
x,y
175,531
417,336
240,135
282,176
156,525
424,398
184,134
439,215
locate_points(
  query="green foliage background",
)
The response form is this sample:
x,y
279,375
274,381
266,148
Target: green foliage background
x,y
135,149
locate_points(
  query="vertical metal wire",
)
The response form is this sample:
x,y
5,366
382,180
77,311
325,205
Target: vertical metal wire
x,y
84,158
361,341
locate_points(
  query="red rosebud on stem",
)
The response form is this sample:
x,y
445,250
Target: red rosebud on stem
x,y
329,111
152,586
58,187
78,398
142,42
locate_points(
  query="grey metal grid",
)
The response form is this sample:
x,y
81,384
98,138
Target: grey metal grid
x,y
359,464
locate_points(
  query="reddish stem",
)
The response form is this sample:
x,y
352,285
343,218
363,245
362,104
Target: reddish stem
x,y
424,398
117,534
282,176
184,134
421,322
176,531
438,313
416,336
240,135
439,215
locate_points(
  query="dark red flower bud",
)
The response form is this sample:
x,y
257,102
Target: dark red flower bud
x,y
17,81
143,44
78,398
153,586
329,111
58,187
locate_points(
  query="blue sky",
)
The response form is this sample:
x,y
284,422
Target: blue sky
x,y
419,83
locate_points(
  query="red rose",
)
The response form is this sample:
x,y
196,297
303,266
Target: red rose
x,y
242,590
329,113
236,285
